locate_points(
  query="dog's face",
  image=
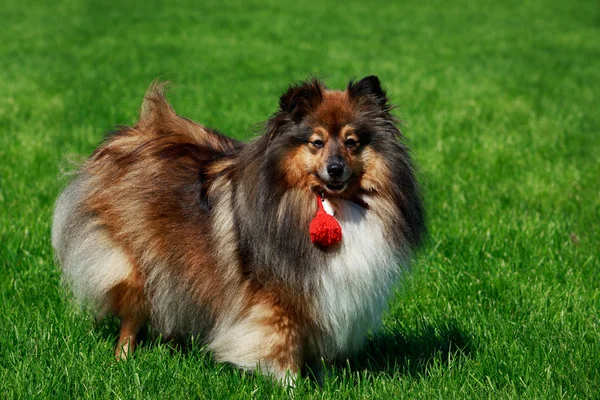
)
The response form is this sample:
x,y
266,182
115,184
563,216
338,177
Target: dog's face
x,y
324,138
331,157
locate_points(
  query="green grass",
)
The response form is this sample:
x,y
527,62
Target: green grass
x,y
501,105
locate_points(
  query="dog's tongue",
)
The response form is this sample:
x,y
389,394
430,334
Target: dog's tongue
x,y
324,229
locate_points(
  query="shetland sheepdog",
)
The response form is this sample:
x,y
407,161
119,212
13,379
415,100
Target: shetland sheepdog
x,y
173,224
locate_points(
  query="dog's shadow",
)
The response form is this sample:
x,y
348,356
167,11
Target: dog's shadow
x,y
413,351
393,350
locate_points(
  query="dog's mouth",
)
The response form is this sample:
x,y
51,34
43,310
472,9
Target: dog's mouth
x,y
335,187
331,187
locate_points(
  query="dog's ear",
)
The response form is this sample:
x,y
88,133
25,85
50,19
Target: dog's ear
x,y
369,87
301,98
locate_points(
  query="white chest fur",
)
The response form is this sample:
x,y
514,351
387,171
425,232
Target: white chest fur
x,y
355,283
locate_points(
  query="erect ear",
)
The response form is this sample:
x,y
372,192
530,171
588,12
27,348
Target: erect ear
x,y
369,87
301,98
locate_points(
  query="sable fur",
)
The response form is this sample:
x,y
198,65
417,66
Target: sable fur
x,y
172,223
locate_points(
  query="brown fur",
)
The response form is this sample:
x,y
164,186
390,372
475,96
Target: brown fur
x,y
210,234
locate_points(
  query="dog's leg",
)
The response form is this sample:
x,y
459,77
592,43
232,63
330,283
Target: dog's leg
x,y
285,352
130,305
130,328
267,339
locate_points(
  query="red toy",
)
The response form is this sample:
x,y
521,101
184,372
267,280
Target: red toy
x,y
324,229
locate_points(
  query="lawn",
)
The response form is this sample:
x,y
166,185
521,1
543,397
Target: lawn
x,y
500,103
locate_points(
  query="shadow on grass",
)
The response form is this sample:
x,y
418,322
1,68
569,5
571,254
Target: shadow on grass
x,y
394,350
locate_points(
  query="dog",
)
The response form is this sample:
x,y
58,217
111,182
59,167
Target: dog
x,y
173,224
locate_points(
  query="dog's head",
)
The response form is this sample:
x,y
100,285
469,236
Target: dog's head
x,y
333,141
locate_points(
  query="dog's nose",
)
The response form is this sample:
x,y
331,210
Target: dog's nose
x,y
335,169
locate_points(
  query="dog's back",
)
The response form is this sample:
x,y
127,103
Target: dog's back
x,y
135,212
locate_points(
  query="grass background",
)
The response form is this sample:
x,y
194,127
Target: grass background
x,y
501,104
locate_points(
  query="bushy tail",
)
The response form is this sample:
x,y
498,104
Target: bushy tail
x,y
157,116
155,105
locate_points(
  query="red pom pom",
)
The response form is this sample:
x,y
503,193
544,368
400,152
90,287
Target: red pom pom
x,y
324,229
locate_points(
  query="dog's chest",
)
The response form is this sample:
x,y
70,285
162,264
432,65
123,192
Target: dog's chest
x,y
355,282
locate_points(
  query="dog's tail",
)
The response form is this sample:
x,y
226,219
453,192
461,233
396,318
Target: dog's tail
x,y
158,117
155,104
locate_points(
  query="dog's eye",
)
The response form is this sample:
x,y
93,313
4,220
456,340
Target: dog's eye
x,y
350,143
318,144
